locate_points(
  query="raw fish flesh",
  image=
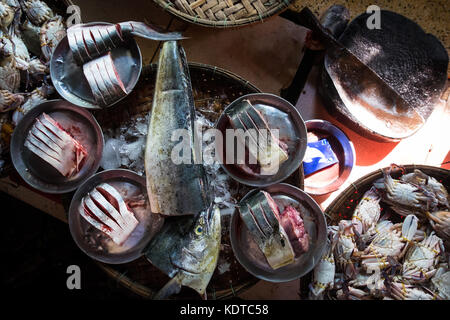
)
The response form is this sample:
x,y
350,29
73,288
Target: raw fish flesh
x,y
49,141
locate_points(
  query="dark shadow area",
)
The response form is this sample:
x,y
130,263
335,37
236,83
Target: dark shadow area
x,y
36,250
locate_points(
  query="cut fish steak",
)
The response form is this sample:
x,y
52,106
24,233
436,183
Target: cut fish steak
x,y
261,216
49,141
294,226
263,145
104,80
105,209
90,42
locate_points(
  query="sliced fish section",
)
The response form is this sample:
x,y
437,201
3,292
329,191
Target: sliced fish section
x,y
261,217
90,42
105,209
50,142
263,146
104,80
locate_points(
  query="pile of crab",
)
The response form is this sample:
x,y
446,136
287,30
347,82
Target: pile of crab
x,y
29,32
371,257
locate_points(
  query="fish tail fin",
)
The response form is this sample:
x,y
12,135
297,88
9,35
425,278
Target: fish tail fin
x,y
170,288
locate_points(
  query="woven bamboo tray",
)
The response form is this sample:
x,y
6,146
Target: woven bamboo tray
x,y
344,205
213,90
223,13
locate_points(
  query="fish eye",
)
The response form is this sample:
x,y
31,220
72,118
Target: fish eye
x,y
199,230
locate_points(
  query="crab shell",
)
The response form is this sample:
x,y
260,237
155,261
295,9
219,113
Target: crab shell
x,y
38,96
37,11
9,101
345,247
37,67
441,283
9,75
21,53
401,291
6,15
367,213
323,275
440,221
51,33
31,37
421,259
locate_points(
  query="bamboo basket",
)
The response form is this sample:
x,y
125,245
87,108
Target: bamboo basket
x,y
344,205
224,13
213,90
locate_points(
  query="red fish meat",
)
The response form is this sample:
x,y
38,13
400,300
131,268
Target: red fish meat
x,y
294,226
105,209
50,142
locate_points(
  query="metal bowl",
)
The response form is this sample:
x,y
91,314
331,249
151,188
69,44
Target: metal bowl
x,y
39,174
344,150
250,256
97,245
70,82
281,115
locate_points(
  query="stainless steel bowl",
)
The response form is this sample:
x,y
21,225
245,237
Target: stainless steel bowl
x,y
97,245
344,150
36,172
281,115
70,82
251,257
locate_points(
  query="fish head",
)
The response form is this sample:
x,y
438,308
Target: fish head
x,y
187,248
197,259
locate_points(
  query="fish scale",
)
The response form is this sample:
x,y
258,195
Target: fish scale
x,y
174,189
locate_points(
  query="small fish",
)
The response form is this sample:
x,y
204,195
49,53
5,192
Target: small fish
x,y
105,209
50,142
187,249
174,188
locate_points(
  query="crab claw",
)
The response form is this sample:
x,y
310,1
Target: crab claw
x,y
409,227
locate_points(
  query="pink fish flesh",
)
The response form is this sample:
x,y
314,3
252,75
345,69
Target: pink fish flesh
x,y
294,226
105,209
50,142
104,80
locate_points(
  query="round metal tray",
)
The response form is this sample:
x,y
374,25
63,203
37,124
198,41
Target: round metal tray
x,y
281,115
342,147
250,256
70,82
78,122
93,242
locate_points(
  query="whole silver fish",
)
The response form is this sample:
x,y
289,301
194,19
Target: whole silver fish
x,y
187,249
173,189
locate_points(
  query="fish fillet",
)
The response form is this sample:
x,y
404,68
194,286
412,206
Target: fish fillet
x,y
49,141
264,146
105,209
261,217
294,226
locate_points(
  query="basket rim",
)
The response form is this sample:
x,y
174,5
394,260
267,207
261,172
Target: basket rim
x,y
168,6
245,83
355,186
